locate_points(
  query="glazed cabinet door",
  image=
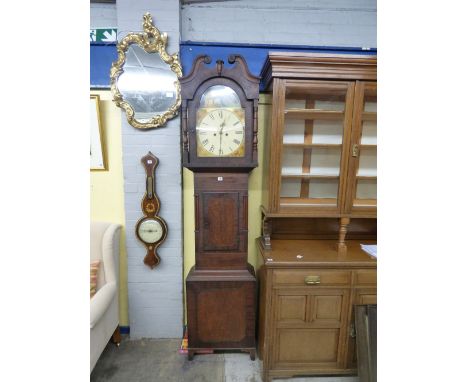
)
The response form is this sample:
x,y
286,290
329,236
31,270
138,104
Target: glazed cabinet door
x,y
310,329
362,177
310,142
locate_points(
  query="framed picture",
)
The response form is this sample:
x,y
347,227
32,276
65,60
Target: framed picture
x,y
96,151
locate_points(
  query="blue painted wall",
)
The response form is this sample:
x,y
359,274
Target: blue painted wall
x,y
102,56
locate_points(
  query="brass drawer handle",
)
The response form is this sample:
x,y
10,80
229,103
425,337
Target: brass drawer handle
x,y
312,280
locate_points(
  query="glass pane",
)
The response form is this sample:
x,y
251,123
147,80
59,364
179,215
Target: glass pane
x,y
323,188
322,131
290,188
366,189
314,116
292,160
366,173
369,133
317,188
368,161
220,96
315,98
325,161
370,104
312,142
325,132
220,128
313,161
294,131
369,120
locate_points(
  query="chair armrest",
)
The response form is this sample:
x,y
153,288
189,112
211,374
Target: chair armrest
x,y
101,301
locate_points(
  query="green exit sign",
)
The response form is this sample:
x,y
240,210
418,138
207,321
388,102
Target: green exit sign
x,y
103,35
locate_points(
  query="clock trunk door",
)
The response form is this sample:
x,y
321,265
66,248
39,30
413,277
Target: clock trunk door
x,y
220,231
221,220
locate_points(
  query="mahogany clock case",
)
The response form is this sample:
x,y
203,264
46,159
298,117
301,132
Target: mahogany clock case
x,y
194,85
221,287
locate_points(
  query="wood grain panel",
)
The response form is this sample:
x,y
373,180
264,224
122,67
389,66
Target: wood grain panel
x,y
327,308
226,308
321,228
292,308
221,309
221,221
366,277
307,345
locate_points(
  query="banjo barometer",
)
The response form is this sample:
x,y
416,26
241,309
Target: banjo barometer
x,y
151,229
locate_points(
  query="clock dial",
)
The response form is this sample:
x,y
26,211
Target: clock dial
x,y
220,133
150,231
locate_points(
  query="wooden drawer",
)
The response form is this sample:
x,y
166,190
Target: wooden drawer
x,y
366,277
298,277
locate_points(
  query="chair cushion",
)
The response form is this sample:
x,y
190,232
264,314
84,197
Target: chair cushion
x,y
94,267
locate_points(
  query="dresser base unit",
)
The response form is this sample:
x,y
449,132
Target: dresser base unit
x,y
308,290
221,306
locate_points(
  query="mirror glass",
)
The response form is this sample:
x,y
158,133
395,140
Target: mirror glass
x,y
147,83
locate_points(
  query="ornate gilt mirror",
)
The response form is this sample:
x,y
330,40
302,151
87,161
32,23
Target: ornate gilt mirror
x,y
145,78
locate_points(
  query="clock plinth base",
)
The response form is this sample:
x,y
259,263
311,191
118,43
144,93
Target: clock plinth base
x,y
221,308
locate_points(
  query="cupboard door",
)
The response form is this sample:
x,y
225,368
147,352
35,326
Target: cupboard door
x,y
312,135
310,328
307,348
362,177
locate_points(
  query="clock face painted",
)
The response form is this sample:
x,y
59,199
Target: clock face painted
x,y
150,231
220,133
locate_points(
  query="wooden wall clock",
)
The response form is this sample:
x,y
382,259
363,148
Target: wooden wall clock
x,y
219,130
151,229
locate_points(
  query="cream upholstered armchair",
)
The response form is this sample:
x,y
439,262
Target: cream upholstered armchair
x,y
105,239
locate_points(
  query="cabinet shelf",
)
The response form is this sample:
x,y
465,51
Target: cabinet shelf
x,y
309,176
310,145
369,116
313,114
366,176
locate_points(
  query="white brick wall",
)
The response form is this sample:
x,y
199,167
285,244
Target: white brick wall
x,y
103,16
155,296
284,22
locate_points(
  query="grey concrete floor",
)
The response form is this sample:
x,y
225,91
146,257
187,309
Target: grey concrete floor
x,y
150,360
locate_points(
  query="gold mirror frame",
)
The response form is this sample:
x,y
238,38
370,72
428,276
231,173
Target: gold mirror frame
x,y
151,41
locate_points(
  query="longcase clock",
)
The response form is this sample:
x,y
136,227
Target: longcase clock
x,y
219,130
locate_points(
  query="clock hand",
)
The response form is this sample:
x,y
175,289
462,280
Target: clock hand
x,y
221,134
220,138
